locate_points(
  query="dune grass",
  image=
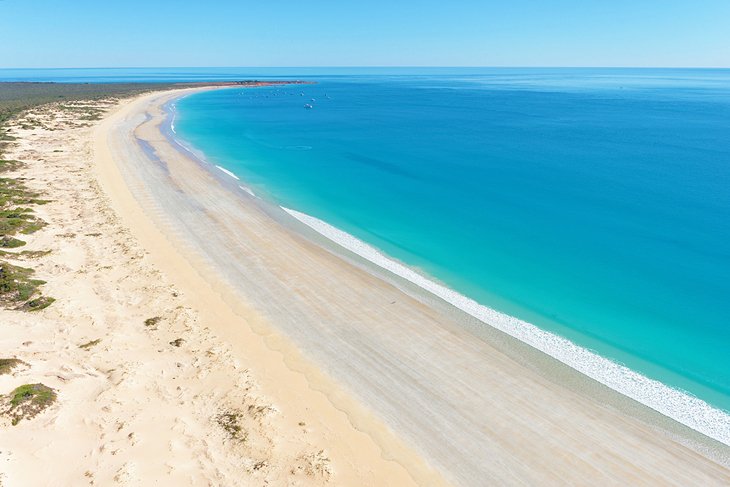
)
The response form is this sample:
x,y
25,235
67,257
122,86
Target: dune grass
x,y
27,401
8,364
18,289
8,242
150,322
7,165
88,345
37,304
230,421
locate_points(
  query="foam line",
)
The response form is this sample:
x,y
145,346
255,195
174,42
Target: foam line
x,y
248,190
678,405
229,173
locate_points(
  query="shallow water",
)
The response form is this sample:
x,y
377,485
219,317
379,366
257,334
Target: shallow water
x,y
592,203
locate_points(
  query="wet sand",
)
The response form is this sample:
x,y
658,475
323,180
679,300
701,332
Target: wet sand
x,y
150,388
410,373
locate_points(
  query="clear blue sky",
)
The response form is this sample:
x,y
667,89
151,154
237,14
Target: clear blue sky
x,y
153,33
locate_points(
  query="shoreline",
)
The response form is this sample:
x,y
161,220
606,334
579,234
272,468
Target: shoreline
x,y
675,404
294,384
151,378
334,264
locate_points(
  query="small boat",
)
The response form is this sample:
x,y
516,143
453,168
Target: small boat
x,y
308,106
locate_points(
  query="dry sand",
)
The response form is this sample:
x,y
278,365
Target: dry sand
x,y
135,409
390,386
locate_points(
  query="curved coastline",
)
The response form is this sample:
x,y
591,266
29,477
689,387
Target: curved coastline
x,y
360,456
509,397
673,403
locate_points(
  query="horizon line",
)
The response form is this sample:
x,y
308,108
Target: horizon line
x,y
370,67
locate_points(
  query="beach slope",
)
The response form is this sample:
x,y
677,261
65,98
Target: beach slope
x,y
405,368
148,388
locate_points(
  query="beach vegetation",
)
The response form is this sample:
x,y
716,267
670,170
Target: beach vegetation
x,y
177,342
8,364
34,254
39,303
19,220
27,401
90,344
259,465
7,165
15,216
17,97
18,290
150,322
16,284
13,191
25,254
230,421
315,465
7,242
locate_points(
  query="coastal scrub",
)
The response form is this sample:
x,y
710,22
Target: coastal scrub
x,y
7,242
27,401
8,364
230,421
90,344
19,289
9,165
151,322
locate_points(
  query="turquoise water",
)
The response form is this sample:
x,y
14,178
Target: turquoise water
x,y
592,203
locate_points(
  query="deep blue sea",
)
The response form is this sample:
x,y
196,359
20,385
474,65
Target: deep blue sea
x,y
593,203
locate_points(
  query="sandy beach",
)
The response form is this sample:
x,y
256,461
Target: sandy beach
x,y
149,392
334,371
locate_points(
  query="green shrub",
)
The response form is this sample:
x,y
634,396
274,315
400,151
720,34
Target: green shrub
x,y
28,400
8,364
19,290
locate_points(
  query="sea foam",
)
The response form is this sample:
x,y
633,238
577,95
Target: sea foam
x,y
228,172
246,189
673,403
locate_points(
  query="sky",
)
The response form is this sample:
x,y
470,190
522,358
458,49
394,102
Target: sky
x,y
161,33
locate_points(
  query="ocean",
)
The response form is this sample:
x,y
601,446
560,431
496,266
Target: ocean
x,y
593,204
